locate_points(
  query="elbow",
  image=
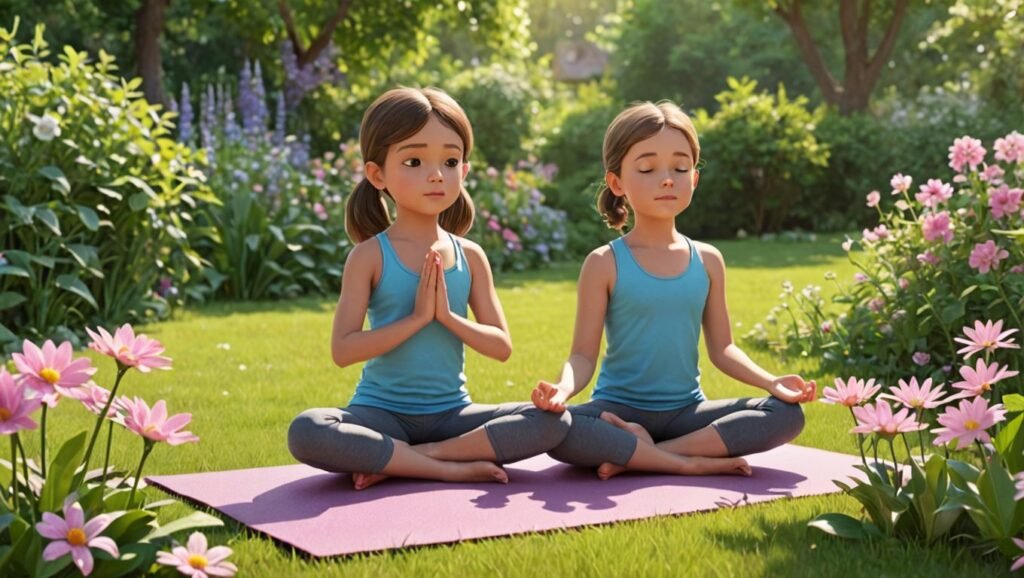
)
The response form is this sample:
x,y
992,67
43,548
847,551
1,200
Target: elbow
x,y
504,352
340,359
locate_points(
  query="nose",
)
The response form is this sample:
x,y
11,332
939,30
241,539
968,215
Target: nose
x,y
436,176
668,183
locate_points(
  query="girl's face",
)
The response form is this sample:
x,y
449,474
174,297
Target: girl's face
x,y
657,176
424,172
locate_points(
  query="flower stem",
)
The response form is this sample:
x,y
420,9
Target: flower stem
x,y
106,457
147,447
14,474
42,445
28,482
896,474
860,439
121,370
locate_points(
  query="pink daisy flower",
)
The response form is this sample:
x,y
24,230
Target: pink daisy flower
x,y
900,183
968,422
15,408
139,352
966,151
196,560
850,393
50,370
73,535
915,396
933,193
878,418
982,377
987,336
154,424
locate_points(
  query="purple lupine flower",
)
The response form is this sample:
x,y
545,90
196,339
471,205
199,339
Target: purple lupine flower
x,y
185,129
232,132
260,100
279,120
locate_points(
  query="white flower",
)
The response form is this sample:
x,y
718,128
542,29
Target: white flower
x,y
47,127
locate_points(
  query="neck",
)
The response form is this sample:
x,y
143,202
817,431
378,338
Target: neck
x,y
651,231
412,225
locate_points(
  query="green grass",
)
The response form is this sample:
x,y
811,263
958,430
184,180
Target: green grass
x,y
242,416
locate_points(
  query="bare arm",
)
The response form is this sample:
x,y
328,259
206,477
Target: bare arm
x,y
725,354
350,343
596,279
489,334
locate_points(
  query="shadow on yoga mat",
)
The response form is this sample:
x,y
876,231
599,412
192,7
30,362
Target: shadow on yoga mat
x,y
320,514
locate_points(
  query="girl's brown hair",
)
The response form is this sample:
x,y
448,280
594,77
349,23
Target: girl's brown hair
x,y
637,123
395,116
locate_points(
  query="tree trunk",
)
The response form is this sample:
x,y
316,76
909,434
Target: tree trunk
x,y
149,25
308,55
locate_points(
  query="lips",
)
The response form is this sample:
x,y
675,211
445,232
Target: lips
x,y
665,198
434,194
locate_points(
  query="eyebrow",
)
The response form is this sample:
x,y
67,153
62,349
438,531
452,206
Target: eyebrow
x,y
676,154
423,146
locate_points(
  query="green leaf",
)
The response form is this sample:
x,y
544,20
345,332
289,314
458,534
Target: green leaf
x,y
61,473
5,520
10,299
130,526
305,260
951,313
73,284
89,217
1009,442
840,525
133,556
968,291
138,202
6,335
48,218
14,271
190,522
1013,402
110,193
60,182
139,183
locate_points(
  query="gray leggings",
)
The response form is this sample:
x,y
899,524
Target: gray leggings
x,y
746,426
360,438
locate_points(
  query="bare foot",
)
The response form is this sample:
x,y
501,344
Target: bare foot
x,y
609,470
710,466
475,472
361,481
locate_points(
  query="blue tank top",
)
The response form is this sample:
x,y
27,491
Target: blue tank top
x,y
426,373
652,327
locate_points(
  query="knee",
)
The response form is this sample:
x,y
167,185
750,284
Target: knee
x,y
552,427
302,434
790,417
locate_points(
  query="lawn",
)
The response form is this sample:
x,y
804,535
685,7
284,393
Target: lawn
x,y
245,370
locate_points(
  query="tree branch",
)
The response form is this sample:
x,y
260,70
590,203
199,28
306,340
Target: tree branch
x,y
324,38
289,25
809,50
877,62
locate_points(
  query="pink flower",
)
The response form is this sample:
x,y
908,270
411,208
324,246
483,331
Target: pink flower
x,y
847,244
873,198
876,304
928,258
826,326
982,377
1004,201
73,535
920,358
933,193
860,277
937,226
510,236
851,392
986,336
95,398
916,396
1010,148
320,211
904,283
154,424
1018,562
986,256
993,174
900,183
878,418
196,560
493,224
968,422
51,370
966,151
1017,269
140,352
14,406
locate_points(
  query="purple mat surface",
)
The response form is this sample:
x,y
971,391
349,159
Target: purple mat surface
x,y
320,513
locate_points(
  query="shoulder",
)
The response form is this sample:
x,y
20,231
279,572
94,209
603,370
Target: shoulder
x,y
599,264
475,254
712,258
365,256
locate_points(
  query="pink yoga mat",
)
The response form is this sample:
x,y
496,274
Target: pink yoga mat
x,y
320,513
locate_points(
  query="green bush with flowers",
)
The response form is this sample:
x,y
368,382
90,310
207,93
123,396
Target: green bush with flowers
x,y
95,195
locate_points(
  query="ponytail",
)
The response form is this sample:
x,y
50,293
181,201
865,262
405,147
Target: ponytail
x,y
458,218
366,212
613,208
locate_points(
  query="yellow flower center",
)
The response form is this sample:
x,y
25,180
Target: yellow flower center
x,y
197,561
986,386
5,414
149,429
988,344
76,537
51,375
971,424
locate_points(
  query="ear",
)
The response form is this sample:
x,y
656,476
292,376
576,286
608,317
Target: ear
x,y
696,178
465,169
375,174
614,183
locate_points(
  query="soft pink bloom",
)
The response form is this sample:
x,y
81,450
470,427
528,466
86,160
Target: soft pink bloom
x,y
878,418
847,244
915,396
928,258
993,174
860,277
937,226
153,424
1004,201
876,304
1018,562
510,236
73,535
14,406
95,398
196,560
966,151
1017,269
494,225
320,211
968,422
140,352
900,183
920,358
51,370
1020,487
933,193
873,198
1010,148
986,256
851,392
826,326
982,377
986,336
904,283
